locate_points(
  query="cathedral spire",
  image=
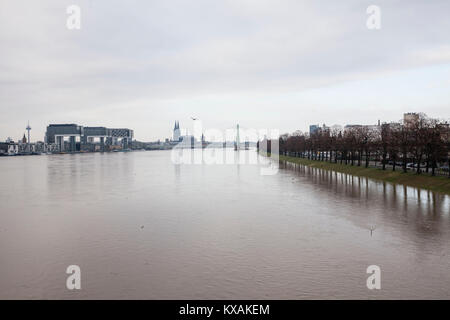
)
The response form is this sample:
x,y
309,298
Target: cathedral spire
x,y
176,131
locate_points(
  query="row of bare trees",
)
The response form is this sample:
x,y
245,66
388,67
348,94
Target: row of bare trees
x,y
421,145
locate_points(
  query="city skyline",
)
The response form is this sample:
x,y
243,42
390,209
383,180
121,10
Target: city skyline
x,y
264,66
184,130
225,159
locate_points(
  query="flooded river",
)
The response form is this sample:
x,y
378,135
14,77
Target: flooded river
x,y
140,226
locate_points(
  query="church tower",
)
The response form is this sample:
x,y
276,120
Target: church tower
x,y
176,132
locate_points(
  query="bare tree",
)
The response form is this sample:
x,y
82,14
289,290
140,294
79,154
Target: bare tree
x,y
423,139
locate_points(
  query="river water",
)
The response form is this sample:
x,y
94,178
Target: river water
x,y
143,227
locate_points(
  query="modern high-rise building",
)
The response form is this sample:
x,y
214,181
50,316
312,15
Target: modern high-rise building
x,y
313,128
84,137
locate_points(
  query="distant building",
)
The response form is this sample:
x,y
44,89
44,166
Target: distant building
x,y
352,126
376,128
9,148
313,128
87,138
176,132
410,119
182,141
325,128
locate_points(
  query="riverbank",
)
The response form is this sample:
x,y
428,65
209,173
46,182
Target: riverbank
x,y
438,184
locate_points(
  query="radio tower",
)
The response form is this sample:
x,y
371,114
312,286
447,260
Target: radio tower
x,y
29,129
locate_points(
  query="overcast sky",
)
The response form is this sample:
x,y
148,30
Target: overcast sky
x,y
263,64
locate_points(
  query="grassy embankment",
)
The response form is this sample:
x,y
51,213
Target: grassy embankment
x,y
439,184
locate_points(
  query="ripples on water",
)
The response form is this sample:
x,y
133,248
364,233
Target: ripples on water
x,y
140,226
